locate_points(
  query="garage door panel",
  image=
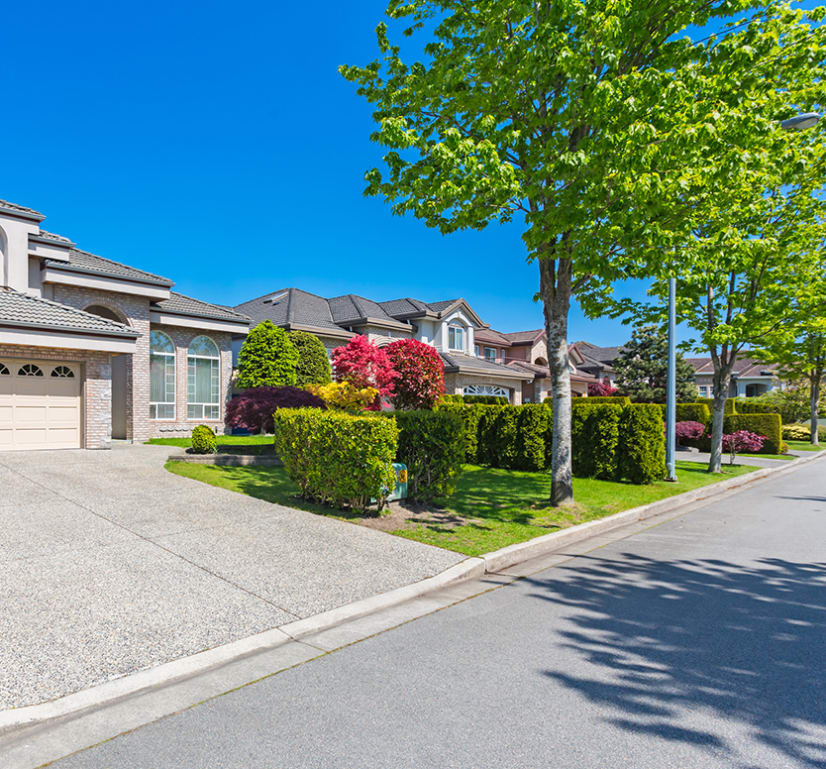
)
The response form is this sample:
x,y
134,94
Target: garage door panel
x,y
39,412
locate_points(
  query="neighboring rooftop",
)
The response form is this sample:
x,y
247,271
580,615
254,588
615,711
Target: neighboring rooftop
x,y
489,336
604,355
456,361
743,367
22,310
185,305
524,337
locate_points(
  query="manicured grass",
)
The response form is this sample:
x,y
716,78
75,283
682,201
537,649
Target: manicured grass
x,y
223,440
805,446
491,508
761,456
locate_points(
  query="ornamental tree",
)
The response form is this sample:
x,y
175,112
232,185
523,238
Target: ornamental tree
x,y
601,389
741,441
313,364
584,120
420,374
641,368
689,430
267,359
362,364
253,409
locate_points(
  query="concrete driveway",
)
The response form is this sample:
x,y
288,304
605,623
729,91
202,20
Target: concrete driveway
x,y
110,564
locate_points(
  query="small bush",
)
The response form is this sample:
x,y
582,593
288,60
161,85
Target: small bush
x,y
203,440
689,431
799,432
488,400
345,396
641,453
769,425
742,441
601,389
253,409
431,444
337,458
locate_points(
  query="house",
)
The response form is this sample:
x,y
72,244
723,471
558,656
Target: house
x,y
92,349
451,326
749,377
594,360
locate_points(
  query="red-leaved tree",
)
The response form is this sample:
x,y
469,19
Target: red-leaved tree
x,y
601,389
253,409
420,372
363,364
741,441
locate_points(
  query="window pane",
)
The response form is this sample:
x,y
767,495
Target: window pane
x,y
204,346
160,342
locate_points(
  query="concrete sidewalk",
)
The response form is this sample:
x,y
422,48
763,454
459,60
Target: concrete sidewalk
x,y
112,565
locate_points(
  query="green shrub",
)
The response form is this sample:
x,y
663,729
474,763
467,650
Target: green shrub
x,y
507,438
532,426
431,444
313,363
799,432
694,412
451,398
623,400
267,359
487,450
641,451
203,440
337,458
488,400
594,439
729,408
769,425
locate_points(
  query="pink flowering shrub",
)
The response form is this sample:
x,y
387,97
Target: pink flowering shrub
x,y
689,431
741,441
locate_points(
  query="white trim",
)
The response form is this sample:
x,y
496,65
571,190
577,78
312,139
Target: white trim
x,y
192,321
69,340
164,354
215,377
104,283
486,389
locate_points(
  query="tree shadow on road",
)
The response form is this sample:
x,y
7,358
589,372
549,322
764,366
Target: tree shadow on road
x,y
744,644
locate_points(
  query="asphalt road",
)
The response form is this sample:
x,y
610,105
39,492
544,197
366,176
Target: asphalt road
x,y
698,643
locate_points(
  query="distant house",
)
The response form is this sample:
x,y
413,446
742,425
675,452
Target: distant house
x,y
451,326
594,360
749,379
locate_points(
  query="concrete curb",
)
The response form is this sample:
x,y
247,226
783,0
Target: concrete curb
x,y
168,673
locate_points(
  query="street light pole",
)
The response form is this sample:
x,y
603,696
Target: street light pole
x,y
671,384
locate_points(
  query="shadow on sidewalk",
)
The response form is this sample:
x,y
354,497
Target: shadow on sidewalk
x,y
743,644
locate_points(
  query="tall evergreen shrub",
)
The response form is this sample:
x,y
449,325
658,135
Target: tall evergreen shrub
x,y
641,453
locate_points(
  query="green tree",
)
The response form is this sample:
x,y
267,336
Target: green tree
x,y
583,118
313,364
268,358
642,368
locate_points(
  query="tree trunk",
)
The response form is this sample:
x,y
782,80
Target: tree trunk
x,y
555,289
721,382
814,402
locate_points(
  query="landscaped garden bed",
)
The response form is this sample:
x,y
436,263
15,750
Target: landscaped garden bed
x,y
232,450
491,508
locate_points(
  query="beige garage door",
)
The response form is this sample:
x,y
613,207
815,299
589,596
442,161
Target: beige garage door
x,y
39,405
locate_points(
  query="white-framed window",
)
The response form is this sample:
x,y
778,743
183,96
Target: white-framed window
x,y
455,338
490,354
203,365
703,391
161,376
486,390
477,351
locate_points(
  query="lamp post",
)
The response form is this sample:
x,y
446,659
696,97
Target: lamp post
x,y
797,123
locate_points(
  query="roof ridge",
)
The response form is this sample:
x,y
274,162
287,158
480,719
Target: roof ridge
x,y
122,264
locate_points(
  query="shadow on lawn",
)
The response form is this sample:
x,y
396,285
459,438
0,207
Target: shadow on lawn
x,y
746,644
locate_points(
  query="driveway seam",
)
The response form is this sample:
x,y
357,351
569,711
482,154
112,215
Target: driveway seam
x,y
150,541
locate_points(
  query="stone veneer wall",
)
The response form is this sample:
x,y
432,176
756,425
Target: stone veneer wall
x,y
135,310
96,430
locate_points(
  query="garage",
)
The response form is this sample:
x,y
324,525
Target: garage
x,y
40,405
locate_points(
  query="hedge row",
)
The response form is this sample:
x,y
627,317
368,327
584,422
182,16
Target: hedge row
x,y
727,409
769,425
337,458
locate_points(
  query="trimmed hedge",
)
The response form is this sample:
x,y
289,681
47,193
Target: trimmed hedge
x,y
451,398
622,400
488,439
769,425
729,408
749,406
594,439
203,440
337,458
641,455
534,426
799,432
489,400
432,445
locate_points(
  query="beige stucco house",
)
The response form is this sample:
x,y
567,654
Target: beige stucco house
x,y
91,349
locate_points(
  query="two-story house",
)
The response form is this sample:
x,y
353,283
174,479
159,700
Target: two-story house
x,y
451,326
749,378
92,349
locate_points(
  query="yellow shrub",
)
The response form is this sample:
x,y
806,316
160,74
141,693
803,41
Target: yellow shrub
x,y
344,396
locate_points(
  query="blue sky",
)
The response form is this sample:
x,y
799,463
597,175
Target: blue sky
x,y
217,145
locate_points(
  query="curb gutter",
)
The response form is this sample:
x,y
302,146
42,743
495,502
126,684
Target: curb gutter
x,y
471,568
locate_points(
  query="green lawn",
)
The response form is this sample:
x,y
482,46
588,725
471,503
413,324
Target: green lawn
x,y
223,440
491,508
804,446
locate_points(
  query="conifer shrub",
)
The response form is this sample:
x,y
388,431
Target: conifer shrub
x,y
267,359
641,446
204,440
769,425
313,365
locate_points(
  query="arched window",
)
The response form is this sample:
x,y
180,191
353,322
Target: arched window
x,y
63,372
161,376
29,369
203,369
